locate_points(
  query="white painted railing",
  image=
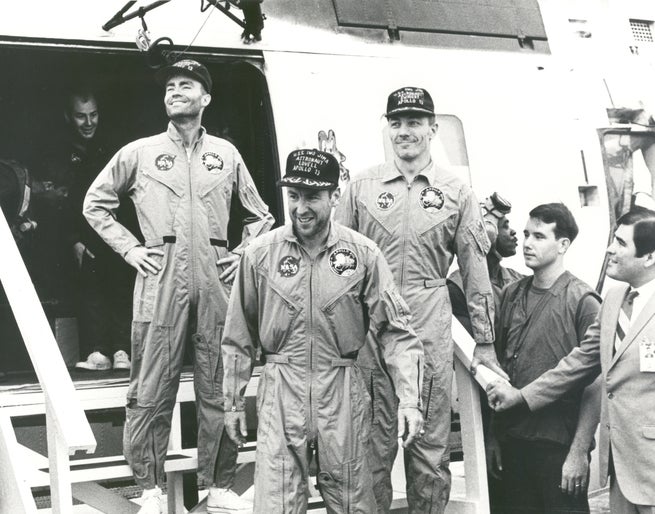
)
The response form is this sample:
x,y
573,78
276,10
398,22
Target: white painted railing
x,y
475,463
67,427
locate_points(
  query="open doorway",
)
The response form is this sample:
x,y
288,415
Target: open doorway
x,y
34,84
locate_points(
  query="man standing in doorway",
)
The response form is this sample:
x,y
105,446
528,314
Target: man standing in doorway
x,y
421,217
104,305
181,183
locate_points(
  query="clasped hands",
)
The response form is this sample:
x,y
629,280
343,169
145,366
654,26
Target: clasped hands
x,y
502,396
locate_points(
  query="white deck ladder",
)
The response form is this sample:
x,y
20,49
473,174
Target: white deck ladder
x,y
68,430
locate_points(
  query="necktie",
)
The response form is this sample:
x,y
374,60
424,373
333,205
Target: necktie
x,y
623,324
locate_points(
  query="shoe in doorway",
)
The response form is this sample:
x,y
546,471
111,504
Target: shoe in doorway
x,y
122,360
94,362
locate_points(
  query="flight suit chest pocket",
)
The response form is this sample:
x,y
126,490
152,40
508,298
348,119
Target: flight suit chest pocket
x,y
157,200
278,318
386,219
345,314
216,194
215,185
436,226
162,182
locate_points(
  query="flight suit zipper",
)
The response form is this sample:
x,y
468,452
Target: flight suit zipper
x,y
190,257
310,371
404,243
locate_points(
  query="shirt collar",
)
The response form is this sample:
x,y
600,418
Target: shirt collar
x,y
391,172
333,236
174,135
646,291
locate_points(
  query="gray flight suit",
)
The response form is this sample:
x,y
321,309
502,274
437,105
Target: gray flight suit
x,y
183,205
420,227
311,317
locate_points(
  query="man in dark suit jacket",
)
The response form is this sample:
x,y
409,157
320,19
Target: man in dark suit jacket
x,y
621,345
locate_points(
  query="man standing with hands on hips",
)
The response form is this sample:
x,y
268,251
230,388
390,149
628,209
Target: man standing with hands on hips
x,y
620,345
308,293
421,217
181,183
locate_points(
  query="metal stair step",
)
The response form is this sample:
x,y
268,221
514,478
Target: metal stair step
x,y
108,468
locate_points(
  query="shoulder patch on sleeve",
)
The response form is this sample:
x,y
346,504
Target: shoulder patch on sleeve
x,y
479,235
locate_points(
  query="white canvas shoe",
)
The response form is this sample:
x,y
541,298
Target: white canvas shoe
x,y
94,362
152,501
226,501
122,360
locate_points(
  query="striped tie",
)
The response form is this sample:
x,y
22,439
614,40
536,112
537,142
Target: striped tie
x,y
623,324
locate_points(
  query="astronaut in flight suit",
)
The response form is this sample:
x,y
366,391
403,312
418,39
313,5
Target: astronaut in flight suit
x,y
181,183
308,293
421,217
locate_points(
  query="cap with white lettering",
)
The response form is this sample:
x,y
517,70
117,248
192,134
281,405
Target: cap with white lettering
x,y
311,169
188,68
409,99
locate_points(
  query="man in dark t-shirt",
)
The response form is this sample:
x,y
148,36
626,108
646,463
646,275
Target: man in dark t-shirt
x,y
543,457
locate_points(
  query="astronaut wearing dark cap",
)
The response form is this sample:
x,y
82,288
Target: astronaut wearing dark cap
x,y
306,294
181,183
421,216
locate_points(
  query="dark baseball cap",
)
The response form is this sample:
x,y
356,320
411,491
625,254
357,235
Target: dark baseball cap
x,y
409,99
188,68
312,169
496,206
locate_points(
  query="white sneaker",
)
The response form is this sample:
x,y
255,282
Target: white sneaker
x,y
226,501
122,360
152,501
94,362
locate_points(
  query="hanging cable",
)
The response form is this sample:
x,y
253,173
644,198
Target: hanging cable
x,y
199,30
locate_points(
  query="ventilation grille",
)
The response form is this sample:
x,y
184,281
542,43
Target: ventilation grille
x,y
642,30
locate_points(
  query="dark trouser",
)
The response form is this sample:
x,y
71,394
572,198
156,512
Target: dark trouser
x,y
494,485
105,306
532,474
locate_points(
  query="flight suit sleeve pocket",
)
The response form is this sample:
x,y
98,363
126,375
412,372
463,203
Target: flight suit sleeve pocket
x,y
478,235
648,432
